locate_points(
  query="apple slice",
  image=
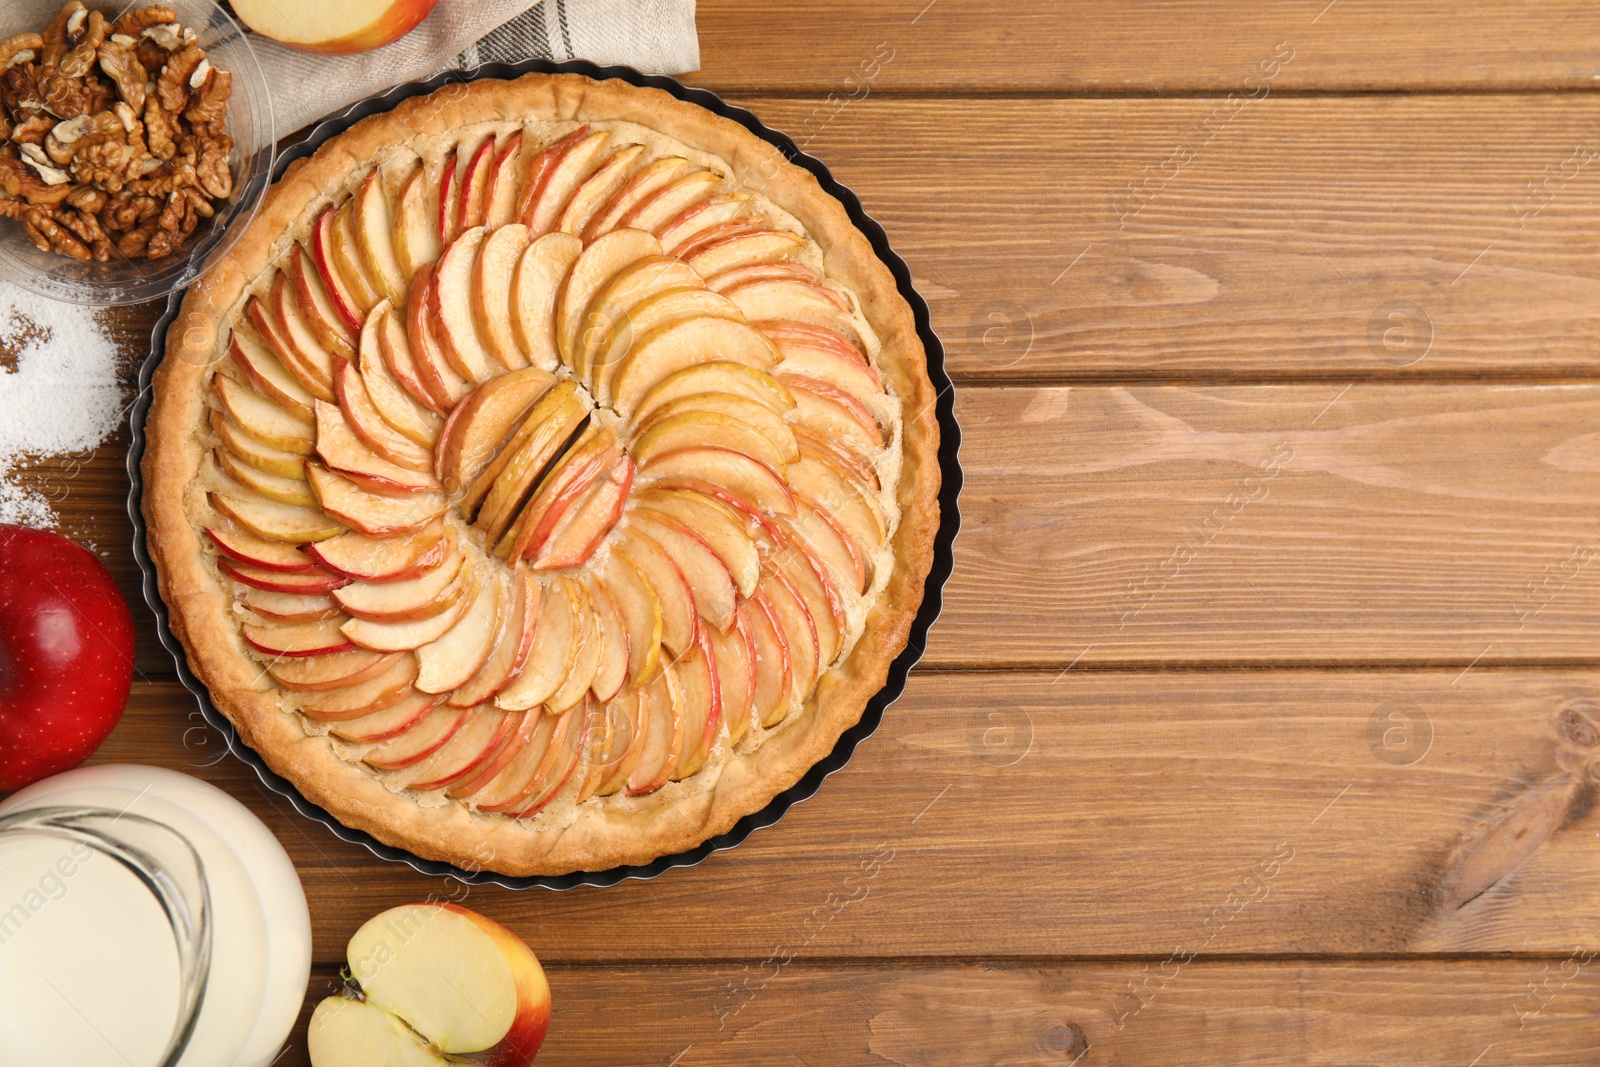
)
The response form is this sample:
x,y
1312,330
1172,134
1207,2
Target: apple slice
x,y
800,632
735,655
472,204
825,365
349,258
523,726
421,597
732,378
262,419
674,598
713,586
383,559
261,457
625,308
374,514
854,508
497,262
500,201
720,214
752,272
503,485
272,486
570,477
394,401
244,547
566,751
628,726
450,307
719,526
298,347
834,415
388,723
774,679
559,181
464,753
363,698
539,171
316,306
858,468
333,281
611,668
322,673
289,607
346,453
822,537
484,422
642,184
699,429
370,426
395,348
811,580
555,648
585,658
742,249
318,584
421,741
669,201
458,655
585,524
663,745
401,635
267,374
296,639
702,705
742,475
275,521
607,732
540,274
437,376
597,188
514,645
598,263
530,765
709,236
449,195
669,349
638,611
750,412
415,236
374,232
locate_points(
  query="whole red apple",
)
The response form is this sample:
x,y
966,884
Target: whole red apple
x,y
66,655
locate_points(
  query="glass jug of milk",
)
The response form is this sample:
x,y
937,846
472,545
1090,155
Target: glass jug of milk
x,y
146,920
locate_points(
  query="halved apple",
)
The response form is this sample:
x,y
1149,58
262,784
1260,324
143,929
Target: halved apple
x,y
451,660
370,426
272,486
319,583
383,559
406,634
554,649
365,697
540,275
674,598
590,457
678,297
437,375
416,235
663,744
497,262
450,306
473,202
503,484
316,307
267,374
293,640
735,654
333,29
715,593
703,378
483,422
774,683
594,267
514,644
556,184
424,596
667,202
321,673
611,671
718,525
374,514
702,705
393,400
350,260
388,723
289,607
597,188
638,611
245,547
834,415
642,184
346,453
421,741
742,249
668,349
750,412
374,228
276,521
333,281
500,202
262,419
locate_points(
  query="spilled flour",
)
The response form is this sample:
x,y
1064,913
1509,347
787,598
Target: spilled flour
x,y
59,395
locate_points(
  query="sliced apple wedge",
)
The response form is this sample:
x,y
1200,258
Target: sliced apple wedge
x,y
374,514
346,453
416,235
810,578
496,265
750,412
774,677
262,419
289,607
421,741
458,655
557,183
316,306
674,598
555,646
532,761
566,751
805,655
743,249
597,188
319,583
421,597
450,306
703,378
302,352
333,280
322,673
670,200
395,348
368,424
275,521
606,736
628,728
859,468
584,525
642,184
437,375
484,422
669,349
719,526
611,670
638,611
514,645
523,726
500,202
402,635
594,267
388,723
374,231
776,300
684,299
261,457
504,483
351,262
735,654
541,167
363,698
697,429
541,273
825,365
464,753
585,657
834,415
267,374
394,401
663,744
744,476
296,639
820,534
273,487
702,705
570,477
854,508
263,314
473,203
716,216
448,198
383,559
715,594
752,272
243,546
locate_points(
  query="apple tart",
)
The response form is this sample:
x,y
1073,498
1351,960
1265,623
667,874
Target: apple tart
x,y
548,477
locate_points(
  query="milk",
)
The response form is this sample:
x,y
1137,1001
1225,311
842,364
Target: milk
x,y
88,965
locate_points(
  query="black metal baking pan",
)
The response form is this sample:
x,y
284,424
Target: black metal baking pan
x,y
950,519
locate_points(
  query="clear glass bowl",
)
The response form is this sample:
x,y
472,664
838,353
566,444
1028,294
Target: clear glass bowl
x,y
125,281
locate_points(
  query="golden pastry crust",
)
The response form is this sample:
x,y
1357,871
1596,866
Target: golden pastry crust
x,y
625,830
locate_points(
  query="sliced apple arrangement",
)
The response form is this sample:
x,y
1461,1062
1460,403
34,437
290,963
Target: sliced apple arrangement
x,y
553,466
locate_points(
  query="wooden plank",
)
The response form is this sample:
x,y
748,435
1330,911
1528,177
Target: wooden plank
x,y
1098,46
1101,814
1349,238
1279,1012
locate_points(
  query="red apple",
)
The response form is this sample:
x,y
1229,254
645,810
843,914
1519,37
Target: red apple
x,y
333,29
66,655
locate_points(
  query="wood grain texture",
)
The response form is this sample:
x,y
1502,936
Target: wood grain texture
x,y
1103,46
1126,814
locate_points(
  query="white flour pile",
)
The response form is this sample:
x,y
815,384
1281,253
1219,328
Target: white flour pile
x,y
58,395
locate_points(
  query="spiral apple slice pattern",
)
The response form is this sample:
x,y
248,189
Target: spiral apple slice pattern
x,y
548,467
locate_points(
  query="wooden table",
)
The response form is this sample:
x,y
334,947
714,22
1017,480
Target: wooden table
x,y
1259,725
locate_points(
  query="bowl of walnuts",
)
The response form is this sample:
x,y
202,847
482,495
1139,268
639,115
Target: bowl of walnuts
x,y
136,142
